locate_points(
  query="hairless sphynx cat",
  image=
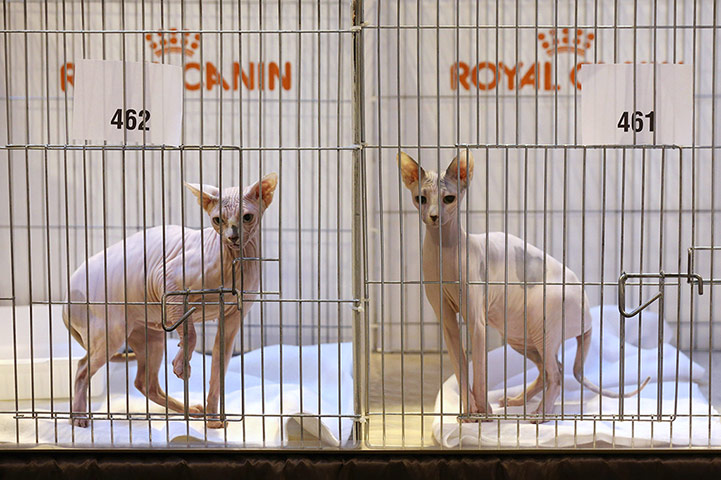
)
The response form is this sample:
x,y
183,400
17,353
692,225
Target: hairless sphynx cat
x,y
114,285
522,296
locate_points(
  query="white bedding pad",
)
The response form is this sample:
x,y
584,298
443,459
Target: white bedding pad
x,y
677,396
325,387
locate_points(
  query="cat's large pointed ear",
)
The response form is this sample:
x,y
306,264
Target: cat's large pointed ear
x,y
410,170
264,189
461,168
207,198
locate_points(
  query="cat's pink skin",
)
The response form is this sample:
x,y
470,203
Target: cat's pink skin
x,y
504,302
140,270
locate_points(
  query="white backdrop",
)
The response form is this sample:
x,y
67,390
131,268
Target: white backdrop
x,y
410,100
307,105
415,102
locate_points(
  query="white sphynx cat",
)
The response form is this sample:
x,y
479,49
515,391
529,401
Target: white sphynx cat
x,y
231,210
437,198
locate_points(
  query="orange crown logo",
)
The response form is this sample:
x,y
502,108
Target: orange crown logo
x,y
173,42
569,41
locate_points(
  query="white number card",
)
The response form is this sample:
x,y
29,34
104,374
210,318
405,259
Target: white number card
x,y
102,113
612,114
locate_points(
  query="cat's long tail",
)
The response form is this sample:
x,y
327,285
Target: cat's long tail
x,y
583,343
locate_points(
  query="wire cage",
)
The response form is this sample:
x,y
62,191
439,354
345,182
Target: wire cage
x,y
342,346
260,103
505,84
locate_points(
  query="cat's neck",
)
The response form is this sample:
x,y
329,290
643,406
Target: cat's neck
x,y
446,236
250,249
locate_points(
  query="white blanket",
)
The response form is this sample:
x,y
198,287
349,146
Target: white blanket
x,y
332,395
682,397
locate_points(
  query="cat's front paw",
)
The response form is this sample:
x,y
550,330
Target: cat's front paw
x,y
80,421
180,368
214,421
474,408
217,424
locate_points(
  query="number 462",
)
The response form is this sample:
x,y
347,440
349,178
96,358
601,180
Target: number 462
x,y
131,121
636,124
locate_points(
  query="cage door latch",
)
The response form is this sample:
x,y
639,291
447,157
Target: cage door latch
x,y
189,311
661,276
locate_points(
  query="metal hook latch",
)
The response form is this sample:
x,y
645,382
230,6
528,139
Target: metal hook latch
x,y
186,315
188,312
662,276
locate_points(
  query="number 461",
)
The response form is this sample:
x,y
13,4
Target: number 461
x,y
636,124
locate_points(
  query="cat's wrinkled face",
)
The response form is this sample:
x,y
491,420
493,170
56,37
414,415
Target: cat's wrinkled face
x,y
437,197
234,216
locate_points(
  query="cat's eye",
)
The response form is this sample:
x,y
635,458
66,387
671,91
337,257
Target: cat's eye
x,y
448,199
421,199
248,217
216,220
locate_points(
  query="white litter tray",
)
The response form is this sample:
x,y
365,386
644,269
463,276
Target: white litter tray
x,y
34,366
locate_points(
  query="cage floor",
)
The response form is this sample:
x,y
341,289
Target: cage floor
x,y
397,386
402,392
395,381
